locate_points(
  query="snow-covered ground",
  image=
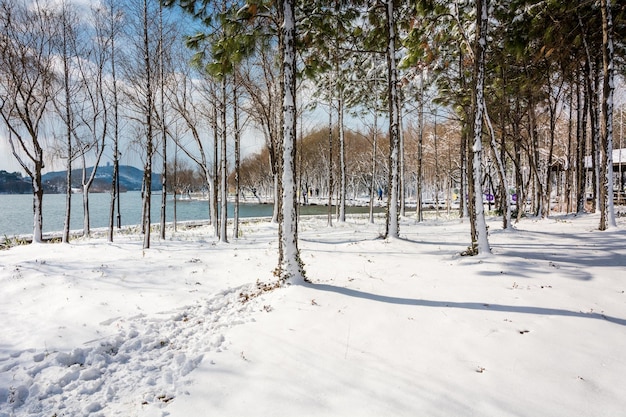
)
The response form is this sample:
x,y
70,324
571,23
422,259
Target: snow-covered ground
x,y
389,328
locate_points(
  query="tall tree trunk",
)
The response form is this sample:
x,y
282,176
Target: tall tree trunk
x,y
519,172
570,154
607,213
596,146
374,157
581,141
471,192
420,142
534,158
401,167
115,184
286,11
330,159
392,224
215,178
163,125
479,71
149,145
223,169
237,156
342,158
548,177
436,152
464,198
506,223
68,124
175,188
291,267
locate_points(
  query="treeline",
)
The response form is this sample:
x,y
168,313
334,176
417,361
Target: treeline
x,y
474,98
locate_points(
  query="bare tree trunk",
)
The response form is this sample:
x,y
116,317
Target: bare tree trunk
x,y
464,211
436,150
392,223
401,183
570,154
175,188
481,44
291,267
223,169
237,155
68,123
149,145
163,125
501,172
115,185
420,141
342,158
330,158
581,143
214,177
374,157
607,214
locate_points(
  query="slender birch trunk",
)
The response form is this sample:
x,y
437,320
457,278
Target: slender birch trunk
x,y
163,125
149,145
115,184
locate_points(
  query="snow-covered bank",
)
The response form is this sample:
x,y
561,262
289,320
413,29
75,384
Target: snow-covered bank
x,y
406,327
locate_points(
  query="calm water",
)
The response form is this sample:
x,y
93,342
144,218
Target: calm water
x,y
16,211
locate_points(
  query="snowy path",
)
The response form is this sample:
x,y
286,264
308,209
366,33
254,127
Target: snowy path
x,y
117,375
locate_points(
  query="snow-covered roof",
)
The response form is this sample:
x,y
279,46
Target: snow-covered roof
x,y
619,157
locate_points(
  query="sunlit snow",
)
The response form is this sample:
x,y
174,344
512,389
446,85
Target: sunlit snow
x,y
405,327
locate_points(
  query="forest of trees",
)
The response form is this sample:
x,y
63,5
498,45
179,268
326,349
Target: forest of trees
x,y
450,100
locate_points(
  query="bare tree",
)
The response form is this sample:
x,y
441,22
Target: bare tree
x,y
261,84
108,23
26,87
93,116
163,123
188,99
68,52
139,91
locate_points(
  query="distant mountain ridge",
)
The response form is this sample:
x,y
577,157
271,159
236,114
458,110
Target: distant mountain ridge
x,y
131,179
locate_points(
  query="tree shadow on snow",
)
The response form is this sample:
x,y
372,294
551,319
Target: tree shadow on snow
x,y
542,311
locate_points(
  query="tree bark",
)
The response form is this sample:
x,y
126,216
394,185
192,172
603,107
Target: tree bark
x,y
163,125
149,146
607,214
392,224
223,169
237,155
482,243
291,267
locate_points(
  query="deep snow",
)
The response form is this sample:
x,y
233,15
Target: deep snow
x,y
404,327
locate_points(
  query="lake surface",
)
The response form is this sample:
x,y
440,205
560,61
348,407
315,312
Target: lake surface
x,y
16,211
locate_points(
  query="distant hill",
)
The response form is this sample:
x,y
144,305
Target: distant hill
x,y
130,179
14,183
